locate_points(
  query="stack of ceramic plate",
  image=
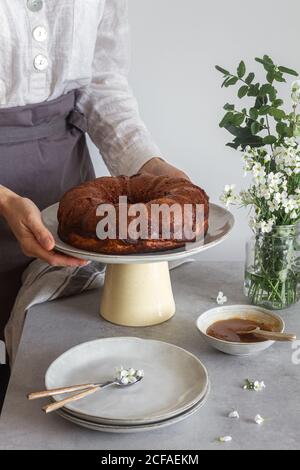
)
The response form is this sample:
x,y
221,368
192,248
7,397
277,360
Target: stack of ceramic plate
x,y
174,387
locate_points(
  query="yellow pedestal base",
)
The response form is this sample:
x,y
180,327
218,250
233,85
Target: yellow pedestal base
x,y
137,294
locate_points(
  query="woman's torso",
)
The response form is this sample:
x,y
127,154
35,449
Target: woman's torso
x,y
46,48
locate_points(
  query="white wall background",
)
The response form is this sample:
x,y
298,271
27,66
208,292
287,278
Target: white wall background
x,y
175,45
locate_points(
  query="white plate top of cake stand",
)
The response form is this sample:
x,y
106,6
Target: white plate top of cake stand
x,y
221,222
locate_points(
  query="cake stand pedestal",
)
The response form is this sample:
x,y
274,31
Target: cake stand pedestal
x,y
137,288
137,294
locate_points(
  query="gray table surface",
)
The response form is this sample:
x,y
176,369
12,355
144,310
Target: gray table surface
x,y
54,327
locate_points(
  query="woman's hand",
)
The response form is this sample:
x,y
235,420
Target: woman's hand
x,y
157,167
25,221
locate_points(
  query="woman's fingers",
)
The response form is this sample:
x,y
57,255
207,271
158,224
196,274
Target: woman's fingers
x,y
40,232
32,248
157,166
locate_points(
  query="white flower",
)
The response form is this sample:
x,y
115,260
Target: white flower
x,y
229,188
229,197
264,191
263,226
259,419
234,414
225,439
250,157
290,204
256,385
266,227
259,386
272,206
287,159
294,215
290,141
274,180
259,174
296,91
221,298
126,376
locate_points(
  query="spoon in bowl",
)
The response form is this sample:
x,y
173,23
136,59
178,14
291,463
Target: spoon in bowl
x,y
268,335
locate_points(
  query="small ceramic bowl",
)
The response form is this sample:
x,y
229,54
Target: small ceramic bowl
x,y
246,312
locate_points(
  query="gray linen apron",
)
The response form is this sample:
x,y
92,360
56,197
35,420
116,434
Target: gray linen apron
x,y
43,153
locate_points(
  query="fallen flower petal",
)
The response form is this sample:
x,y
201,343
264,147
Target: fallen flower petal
x,y
221,298
259,419
225,439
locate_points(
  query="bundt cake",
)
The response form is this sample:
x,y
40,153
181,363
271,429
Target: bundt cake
x,y
78,219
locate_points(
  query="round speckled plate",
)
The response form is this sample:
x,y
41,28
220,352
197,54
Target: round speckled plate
x,y
221,223
175,380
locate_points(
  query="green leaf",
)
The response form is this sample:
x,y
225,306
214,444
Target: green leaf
x,y
234,145
258,59
277,113
268,64
253,90
249,79
228,107
279,77
243,91
225,81
241,70
255,127
268,59
277,103
238,119
231,81
268,89
288,71
243,137
269,140
253,112
270,76
226,119
220,69
264,110
281,128
259,102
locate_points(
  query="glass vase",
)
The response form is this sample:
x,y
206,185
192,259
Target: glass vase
x,y
272,271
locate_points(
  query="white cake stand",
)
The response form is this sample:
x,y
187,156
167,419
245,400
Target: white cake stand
x,y
137,289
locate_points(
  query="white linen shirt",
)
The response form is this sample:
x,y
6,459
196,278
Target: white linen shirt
x,y
50,47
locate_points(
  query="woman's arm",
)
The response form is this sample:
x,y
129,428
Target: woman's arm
x,y
113,117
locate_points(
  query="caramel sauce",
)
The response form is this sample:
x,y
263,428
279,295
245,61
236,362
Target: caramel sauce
x,y
227,330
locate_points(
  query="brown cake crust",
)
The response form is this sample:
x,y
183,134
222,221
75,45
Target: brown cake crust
x,y
78,220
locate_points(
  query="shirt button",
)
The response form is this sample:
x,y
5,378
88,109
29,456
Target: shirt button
x,y
34,5
40,62
40,33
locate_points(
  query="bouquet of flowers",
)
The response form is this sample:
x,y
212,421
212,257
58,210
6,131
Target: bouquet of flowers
x,y
267,136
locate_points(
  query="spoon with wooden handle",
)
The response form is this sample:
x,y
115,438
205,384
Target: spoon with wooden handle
x,y
61,391
59,404
268,335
